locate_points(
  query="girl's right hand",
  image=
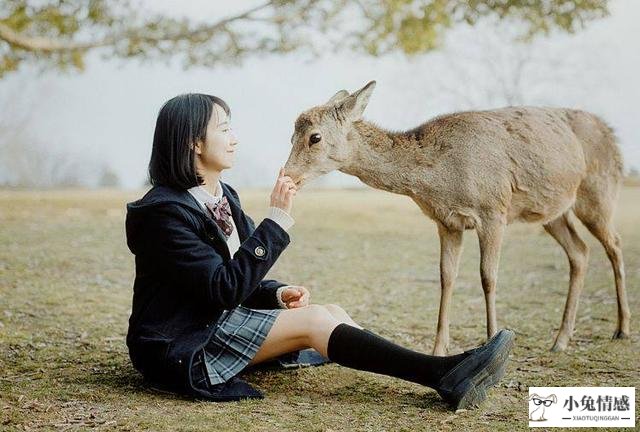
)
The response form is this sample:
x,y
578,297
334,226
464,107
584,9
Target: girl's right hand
x,y
283,192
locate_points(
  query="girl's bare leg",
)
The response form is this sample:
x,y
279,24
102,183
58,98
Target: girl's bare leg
x,y
341,315
301,328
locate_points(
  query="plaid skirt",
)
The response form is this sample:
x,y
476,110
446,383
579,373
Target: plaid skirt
x,y
236,339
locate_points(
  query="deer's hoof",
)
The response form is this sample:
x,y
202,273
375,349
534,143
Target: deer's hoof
x,y
559,346
620,334
562,341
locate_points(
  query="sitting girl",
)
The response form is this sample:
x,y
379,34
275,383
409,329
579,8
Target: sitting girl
x,y
202,310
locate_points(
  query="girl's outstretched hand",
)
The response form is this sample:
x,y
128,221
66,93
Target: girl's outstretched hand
x,y
295,297
283,192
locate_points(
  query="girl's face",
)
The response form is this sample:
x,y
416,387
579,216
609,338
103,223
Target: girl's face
x,y
218,151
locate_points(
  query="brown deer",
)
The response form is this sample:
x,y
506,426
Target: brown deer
x,y
481,170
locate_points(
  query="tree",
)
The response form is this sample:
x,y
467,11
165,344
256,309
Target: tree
x,y
30,161
59,33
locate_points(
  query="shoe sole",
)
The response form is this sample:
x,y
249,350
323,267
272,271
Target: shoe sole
x,y
474,388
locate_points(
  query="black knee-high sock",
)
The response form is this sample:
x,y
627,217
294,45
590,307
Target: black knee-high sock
x,y
364,350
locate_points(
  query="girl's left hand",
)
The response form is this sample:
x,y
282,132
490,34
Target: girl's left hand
x,y
295,297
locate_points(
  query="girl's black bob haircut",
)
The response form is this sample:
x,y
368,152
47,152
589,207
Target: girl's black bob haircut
x,y
181,122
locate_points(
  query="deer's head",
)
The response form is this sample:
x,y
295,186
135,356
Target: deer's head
x,y
322,138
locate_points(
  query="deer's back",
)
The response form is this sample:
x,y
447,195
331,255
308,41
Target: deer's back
x,y
525,163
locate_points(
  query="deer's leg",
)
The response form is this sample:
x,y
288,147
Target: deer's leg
x,y
490,239
594,207
607,235
450,248
563,230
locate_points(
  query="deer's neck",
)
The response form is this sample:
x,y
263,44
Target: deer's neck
x,y
384,159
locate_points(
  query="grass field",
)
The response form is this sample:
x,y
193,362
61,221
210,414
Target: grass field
x,y
65,293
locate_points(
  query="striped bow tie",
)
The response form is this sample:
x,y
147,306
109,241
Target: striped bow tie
x,y
221,213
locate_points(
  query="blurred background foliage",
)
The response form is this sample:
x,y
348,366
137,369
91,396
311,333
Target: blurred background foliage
x,y
58,34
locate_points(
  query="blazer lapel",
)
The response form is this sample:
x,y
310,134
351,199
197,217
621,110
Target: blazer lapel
x,y
236,213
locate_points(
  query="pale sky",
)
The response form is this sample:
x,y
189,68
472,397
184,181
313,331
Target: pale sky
x,y
108,112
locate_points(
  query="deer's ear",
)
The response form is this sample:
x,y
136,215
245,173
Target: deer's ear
x,y
555,399
336,97
353,106
534,396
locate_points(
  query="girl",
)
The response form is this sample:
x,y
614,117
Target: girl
x,y
202,311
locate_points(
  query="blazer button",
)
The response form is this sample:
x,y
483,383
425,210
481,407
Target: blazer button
x,y
179,361
259,251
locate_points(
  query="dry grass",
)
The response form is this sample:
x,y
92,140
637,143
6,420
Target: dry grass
x,y
65,292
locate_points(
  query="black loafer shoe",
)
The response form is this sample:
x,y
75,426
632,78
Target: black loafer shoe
x,y
466,384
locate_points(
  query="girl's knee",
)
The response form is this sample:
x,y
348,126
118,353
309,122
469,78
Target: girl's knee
x,y
318,312
341,315
317,317
334,309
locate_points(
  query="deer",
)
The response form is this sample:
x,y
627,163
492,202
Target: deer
x,y
482,170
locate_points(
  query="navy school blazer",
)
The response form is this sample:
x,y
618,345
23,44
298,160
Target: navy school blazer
x,y
185,277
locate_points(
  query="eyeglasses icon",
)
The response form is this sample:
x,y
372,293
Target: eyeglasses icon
x,y
546,403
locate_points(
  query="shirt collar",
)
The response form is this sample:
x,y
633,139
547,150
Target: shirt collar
x,y
202,195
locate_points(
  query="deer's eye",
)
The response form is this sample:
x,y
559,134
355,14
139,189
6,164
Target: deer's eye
x,y
314,138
